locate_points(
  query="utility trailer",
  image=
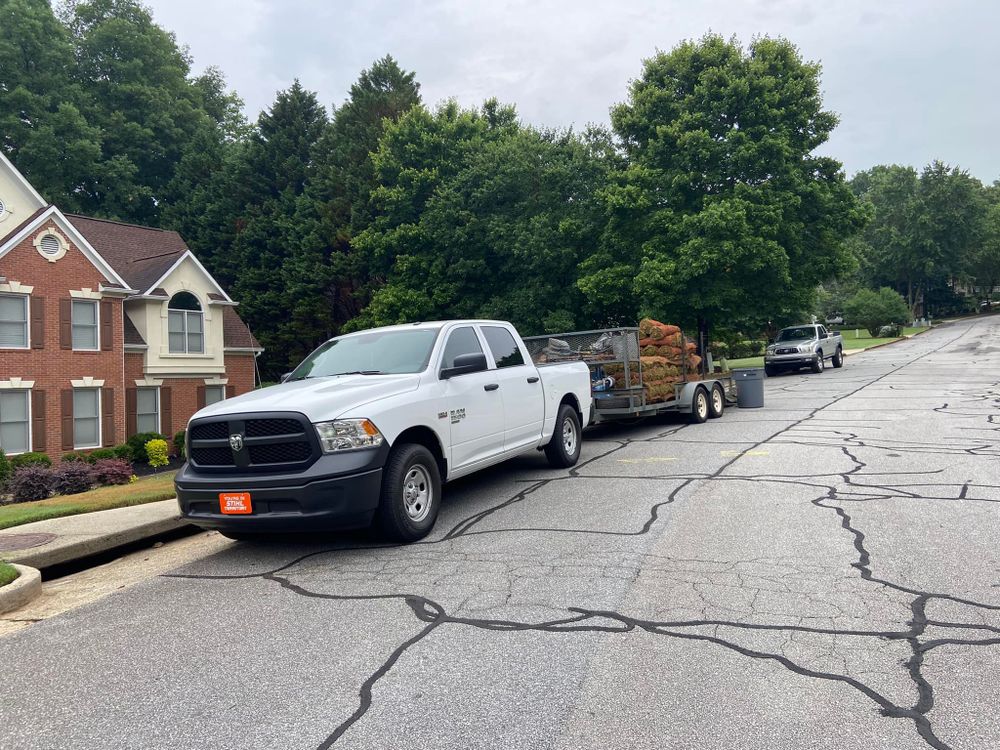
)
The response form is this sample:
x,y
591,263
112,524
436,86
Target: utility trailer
x,y
620,392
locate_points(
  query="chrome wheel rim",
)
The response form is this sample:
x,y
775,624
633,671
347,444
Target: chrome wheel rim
x,y
717,400
417,493
702,405
569,437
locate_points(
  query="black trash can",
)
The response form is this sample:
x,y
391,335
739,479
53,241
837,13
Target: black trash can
x,y
749,387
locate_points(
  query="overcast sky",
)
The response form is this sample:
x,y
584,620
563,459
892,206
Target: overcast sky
x,y
912,80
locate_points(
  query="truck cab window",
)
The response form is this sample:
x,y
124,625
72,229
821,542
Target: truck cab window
x,y
460,341
504,348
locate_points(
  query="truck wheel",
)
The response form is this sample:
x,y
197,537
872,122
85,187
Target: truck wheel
x,y
838,358
718,402
817,365
699,406
411,494
563,449
770,371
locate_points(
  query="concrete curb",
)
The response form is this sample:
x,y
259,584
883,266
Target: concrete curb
x,y
91,533
21,590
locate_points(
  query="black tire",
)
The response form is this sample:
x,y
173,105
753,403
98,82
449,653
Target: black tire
x,y
770,371
699,406
838,358
563,449
717,402
817,365
411,494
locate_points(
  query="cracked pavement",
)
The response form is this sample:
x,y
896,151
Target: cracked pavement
x,y
820,573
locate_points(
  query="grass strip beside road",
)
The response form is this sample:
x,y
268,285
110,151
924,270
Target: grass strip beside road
x,y
148,489
8,573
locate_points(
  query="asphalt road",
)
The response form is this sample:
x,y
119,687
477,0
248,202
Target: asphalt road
x,y
820,573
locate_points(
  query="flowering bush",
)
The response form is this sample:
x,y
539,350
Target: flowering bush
x,y
156,450
71,477
113,471
31,483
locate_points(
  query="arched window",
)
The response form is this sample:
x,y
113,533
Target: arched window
x,y
185,324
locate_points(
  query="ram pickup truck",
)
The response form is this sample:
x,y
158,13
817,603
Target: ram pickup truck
x,y
370,425
809,346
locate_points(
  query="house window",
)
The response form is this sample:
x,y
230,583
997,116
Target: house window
x,y
13,321
87,418
214,393
14,437
85,325
147,415
185,324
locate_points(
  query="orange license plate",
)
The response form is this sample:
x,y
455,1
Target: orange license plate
x,y
235,503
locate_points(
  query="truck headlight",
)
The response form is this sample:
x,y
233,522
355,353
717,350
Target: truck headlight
x,y
347,435
805,348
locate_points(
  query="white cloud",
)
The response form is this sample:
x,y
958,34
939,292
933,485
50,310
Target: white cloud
x,y
912,81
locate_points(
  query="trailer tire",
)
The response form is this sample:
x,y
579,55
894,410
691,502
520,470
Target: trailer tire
x,y
411,494
838,358
563,449
717,403
700,407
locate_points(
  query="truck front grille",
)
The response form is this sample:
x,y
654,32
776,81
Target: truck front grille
x,y
236,443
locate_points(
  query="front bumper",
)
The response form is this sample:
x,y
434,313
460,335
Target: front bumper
x,y
789,360
338,491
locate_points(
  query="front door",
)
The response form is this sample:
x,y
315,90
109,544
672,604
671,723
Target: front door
x,y
475,406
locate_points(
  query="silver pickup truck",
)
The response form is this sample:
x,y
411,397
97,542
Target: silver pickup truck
x,y
808,345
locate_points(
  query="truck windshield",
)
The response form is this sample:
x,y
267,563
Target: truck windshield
x,y
372,353
797,334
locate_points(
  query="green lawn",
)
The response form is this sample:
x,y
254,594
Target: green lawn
x,y
8,573
146,490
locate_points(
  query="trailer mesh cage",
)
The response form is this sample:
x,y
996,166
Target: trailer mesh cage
x,y
610,347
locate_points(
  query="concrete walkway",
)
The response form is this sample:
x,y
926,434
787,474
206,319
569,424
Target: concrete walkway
x,y
59,540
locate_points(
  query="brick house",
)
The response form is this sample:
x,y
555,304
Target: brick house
x,y
106,329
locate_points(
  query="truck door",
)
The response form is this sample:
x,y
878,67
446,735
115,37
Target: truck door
x,y
474,404
523,399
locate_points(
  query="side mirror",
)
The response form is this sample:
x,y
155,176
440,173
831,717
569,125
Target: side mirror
x,y
285,377
464,364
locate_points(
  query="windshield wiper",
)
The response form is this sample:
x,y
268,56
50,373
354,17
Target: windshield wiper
x,y
358,372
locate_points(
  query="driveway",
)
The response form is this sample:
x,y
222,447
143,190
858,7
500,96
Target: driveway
x,y
820,573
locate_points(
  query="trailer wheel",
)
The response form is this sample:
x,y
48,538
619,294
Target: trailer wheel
x,y
718,402
563,449
838,358
411,493
699,406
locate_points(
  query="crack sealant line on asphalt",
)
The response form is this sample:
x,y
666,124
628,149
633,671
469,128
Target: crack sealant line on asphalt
x,y
435,614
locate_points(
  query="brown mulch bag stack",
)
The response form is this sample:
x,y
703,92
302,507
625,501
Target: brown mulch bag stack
x,y
667,358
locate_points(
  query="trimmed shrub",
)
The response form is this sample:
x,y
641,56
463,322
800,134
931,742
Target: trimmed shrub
x,y
123,451
6,469
73,477
71,457
32,482
156,450
179,443
30,459
137,444
113,471
100,454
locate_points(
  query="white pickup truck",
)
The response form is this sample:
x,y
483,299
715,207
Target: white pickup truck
x,y
371,424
